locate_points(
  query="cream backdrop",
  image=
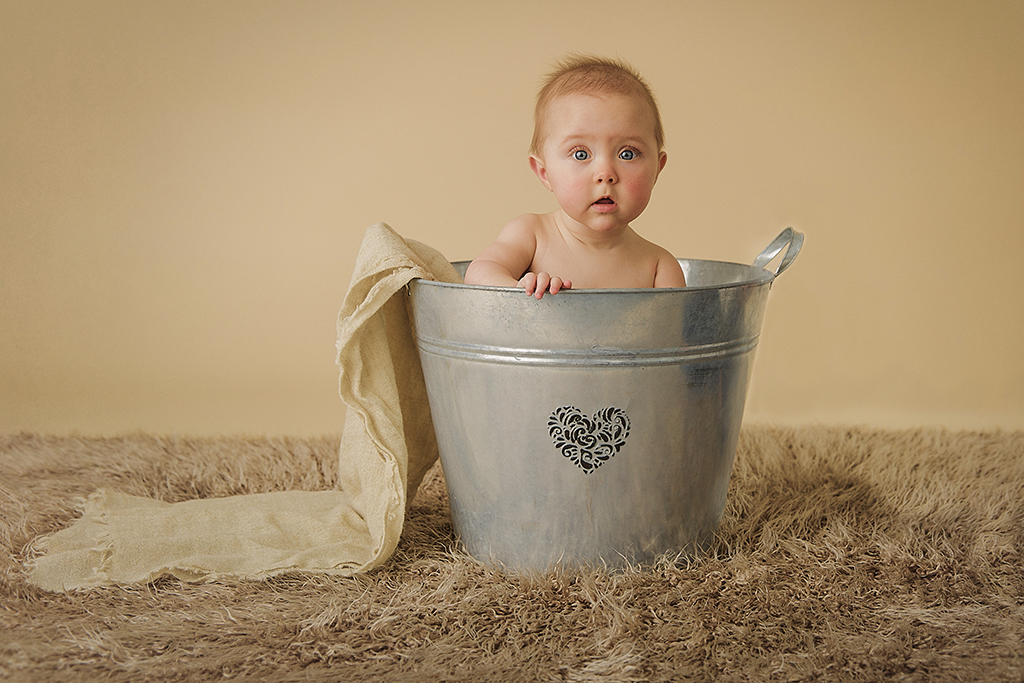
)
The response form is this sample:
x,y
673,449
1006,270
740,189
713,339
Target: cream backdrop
x,y
184,186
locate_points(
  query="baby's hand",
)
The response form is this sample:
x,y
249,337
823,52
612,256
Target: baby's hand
x,y
536,284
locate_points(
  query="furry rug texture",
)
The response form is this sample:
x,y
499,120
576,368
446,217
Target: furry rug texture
x,y
845,554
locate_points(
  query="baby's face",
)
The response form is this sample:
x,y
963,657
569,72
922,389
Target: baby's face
x,y
600,158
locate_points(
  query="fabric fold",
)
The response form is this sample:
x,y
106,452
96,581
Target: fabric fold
x,y
387,446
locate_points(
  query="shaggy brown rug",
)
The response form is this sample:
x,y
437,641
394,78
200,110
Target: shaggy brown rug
x,y
844,554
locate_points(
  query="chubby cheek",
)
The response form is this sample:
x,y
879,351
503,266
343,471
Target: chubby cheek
x,y
638,189
574,191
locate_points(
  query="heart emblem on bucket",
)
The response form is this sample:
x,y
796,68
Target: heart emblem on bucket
x,y
588,441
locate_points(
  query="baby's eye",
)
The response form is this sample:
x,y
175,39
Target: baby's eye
x,y
628,154
581,155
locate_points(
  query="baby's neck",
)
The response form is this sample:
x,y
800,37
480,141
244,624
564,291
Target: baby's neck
x,y
575,234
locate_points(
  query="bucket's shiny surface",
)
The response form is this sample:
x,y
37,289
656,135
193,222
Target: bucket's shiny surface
x,y
591,426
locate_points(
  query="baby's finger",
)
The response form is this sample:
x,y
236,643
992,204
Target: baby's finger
x,y
556,285
543,280
528,282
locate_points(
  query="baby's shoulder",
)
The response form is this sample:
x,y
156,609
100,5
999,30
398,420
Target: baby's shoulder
x,y
667,271
649,249
528,221
531,226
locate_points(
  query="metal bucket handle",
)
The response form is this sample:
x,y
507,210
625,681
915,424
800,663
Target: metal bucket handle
x,y
790,240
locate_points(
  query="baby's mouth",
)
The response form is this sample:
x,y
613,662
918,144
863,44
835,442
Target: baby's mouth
x,y
605,200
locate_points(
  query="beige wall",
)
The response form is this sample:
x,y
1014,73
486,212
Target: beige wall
x,y
184,185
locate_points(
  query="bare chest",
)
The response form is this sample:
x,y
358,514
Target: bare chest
x,y
602,270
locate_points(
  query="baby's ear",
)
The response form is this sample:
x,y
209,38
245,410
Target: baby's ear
x,y
537,164
662,158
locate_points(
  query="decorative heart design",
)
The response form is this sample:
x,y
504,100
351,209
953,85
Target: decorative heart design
x,y
588,441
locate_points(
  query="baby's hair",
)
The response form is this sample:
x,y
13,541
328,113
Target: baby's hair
x,y
592,75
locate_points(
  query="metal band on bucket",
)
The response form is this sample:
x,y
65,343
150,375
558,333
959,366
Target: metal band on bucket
x,y
597,356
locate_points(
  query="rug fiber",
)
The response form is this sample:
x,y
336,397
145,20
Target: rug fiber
x,y
844,554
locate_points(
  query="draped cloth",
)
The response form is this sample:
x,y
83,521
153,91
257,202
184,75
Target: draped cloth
x,y
387,446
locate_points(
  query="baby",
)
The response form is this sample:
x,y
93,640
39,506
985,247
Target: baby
x,y
597,144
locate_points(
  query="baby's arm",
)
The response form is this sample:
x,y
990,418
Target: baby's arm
x,y
501,263
669,273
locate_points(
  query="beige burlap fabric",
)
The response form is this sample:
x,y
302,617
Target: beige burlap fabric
x,y
387,446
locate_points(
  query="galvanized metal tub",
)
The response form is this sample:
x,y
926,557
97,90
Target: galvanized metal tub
x,y
591,426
